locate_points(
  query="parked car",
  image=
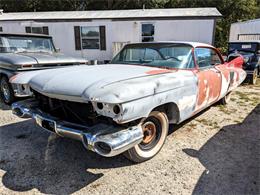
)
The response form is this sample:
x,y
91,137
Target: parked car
x,y
250,50
27,52
127,105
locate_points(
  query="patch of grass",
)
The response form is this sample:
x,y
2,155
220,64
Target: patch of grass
x,y
237,121
240,103
208,123
223,108
243,96
192,125
233,99
257,83
255,101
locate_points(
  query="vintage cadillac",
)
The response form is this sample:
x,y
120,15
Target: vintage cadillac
x,y
126,106
27,52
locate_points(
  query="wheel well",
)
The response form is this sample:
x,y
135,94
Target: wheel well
x,y
171,110
3,75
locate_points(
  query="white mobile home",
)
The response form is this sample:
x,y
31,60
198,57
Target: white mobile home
x,y
100,34
245,31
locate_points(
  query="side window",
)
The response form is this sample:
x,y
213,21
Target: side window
x,y
206,57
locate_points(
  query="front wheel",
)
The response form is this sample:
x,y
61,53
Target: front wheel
x,y
155,128
253,78
6,91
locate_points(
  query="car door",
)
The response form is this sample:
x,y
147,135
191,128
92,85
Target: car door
x,y
209,78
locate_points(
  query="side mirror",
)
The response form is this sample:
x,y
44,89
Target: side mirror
x,y
258,52
225,58
58,50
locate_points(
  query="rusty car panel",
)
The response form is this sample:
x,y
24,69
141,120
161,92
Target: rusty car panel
x,y
125,93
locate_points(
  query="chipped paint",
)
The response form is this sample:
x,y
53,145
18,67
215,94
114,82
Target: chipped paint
x,y
137,90
158,71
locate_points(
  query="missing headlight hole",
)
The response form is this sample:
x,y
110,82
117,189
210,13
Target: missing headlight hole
x,y
100,106
116,109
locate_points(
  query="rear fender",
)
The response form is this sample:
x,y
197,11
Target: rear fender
x,y
237,62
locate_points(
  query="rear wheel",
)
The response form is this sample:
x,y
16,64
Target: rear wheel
x,y
6,91
225,99
155,129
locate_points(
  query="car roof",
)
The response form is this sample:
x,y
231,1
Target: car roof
x,y
25,35
253,41
193,44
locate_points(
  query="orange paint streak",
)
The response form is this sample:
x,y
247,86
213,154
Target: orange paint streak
x,y
209,87
158,71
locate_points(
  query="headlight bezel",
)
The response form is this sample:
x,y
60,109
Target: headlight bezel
x,y
108,109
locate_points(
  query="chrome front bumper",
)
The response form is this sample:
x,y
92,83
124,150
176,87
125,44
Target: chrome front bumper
x,y
106,140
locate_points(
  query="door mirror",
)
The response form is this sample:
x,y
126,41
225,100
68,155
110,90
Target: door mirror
x,y
58,50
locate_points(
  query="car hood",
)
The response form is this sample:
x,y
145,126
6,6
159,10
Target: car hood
x,y
102,83
38,58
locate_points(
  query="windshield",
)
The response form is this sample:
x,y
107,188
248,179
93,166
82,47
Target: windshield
x,y
174,55
242,47
25,44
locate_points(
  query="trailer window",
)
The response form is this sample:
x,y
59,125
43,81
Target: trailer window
x,y
90,37
37,30
147,32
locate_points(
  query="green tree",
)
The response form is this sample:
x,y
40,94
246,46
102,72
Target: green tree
x,y
232,10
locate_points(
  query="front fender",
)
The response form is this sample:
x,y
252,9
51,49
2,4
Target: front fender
x,y
184,97
24,78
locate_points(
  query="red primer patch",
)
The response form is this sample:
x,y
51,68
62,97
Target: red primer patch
x,y
158,71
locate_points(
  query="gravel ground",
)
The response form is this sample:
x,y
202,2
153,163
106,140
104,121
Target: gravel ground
x,y
216,152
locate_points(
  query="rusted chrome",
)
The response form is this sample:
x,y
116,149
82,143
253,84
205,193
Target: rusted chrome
x,y
106,140
149,130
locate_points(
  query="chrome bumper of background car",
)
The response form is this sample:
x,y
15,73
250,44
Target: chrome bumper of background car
x,y
249,72
106,140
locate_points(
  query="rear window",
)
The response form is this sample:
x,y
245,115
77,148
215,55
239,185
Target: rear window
x,y
244,47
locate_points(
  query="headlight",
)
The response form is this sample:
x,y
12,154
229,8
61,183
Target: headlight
x,y
246,59
22,90
109,110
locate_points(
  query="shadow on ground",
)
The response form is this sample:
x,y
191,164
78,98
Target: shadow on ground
x,y
3,106
33,158
231,159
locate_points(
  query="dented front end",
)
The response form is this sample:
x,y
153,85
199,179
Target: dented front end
x,y
103,138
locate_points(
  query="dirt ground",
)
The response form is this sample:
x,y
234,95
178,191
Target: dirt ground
x,y
216,152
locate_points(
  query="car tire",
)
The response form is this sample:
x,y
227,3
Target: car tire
x,y
253,77
6,91
155,128
225,99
